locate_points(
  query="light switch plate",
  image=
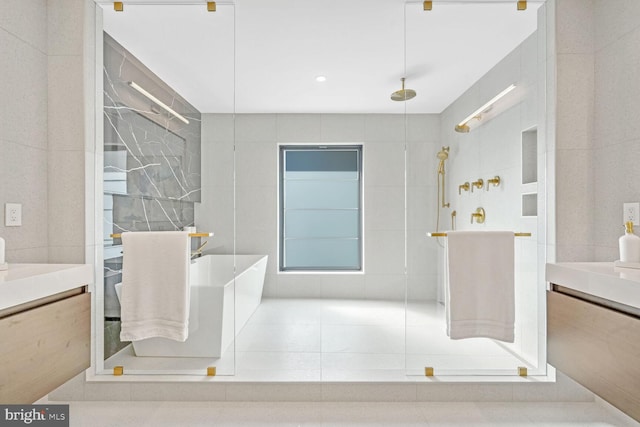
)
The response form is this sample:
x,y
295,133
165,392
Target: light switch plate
x,y
13,214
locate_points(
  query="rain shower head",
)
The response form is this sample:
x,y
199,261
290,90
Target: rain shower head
x,y
403,94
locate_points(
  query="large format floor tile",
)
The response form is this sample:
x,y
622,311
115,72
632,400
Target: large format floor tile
x,y
341,340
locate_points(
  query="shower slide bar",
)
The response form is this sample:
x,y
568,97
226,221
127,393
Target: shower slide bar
x,y
445,234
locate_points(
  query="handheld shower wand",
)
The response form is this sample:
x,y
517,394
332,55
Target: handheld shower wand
x,y
443,155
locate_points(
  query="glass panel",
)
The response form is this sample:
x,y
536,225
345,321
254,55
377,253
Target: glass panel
x,y
154,123
321,194
444,159
321,161
318,224
322,253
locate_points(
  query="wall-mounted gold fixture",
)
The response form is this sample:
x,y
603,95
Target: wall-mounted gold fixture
x,y
464,187
442,155
118,6
477,184
428,371
495,181
478,215
522,5
463,126
211,6
453,220
427,5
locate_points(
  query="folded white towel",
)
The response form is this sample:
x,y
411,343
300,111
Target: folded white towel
x,y
480,291
155,285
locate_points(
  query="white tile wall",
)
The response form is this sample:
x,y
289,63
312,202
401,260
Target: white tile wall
x,y
23,127
597,94
256,159
573,24
71,191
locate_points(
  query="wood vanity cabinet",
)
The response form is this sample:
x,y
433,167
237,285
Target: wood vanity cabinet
x,y
43,344
596,343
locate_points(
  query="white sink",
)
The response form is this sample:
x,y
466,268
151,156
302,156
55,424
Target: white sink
x,y
23,283
601,279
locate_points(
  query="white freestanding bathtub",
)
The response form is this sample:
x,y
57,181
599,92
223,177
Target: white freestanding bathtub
x,y
215,295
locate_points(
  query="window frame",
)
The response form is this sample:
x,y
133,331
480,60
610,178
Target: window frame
x,y
282,149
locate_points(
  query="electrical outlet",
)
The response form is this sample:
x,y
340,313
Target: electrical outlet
x,y
631,212
13,214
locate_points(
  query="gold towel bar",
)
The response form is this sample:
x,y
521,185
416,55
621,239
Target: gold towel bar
x,y
119,235
445,234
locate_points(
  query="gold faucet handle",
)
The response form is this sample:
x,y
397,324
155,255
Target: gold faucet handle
x,y
478,215
477,184
464,187
495,181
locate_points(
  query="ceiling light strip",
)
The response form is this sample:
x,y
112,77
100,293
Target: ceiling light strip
x,y
137,87
480,110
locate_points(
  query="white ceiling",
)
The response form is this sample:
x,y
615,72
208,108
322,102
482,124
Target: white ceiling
x,y
258,56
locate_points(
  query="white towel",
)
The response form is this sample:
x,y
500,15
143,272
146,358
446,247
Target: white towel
x,y
155,285
480,291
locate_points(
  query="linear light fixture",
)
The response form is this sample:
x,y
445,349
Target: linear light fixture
x,y
463,126
157,101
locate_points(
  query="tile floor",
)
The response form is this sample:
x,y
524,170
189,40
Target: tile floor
x,y
192,414
339,340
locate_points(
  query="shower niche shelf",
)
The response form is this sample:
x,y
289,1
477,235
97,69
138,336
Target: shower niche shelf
x,y
530,156
530,204
529,168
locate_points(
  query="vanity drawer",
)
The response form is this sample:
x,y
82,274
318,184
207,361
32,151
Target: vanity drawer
x,y
43,347
598,347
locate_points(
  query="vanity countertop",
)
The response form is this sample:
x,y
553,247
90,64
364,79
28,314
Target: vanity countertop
x,y
23,283
601,279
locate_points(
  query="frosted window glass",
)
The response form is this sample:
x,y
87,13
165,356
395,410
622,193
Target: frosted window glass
x,y
322,253
320,208
321,194
321,223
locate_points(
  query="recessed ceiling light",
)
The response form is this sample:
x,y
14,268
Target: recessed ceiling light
x,y
321,79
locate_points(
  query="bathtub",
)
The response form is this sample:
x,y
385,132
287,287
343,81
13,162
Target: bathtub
x,y
211,315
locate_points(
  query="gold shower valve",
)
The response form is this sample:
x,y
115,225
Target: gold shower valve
x,y
495,181
477,184
464,187
478,215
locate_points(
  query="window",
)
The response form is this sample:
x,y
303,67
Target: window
x,y
320,208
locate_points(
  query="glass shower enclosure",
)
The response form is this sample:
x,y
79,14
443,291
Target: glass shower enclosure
x,y
350,284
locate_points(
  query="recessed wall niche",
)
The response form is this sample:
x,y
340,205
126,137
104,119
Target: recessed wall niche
x,y
530,204
529,143
530,156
